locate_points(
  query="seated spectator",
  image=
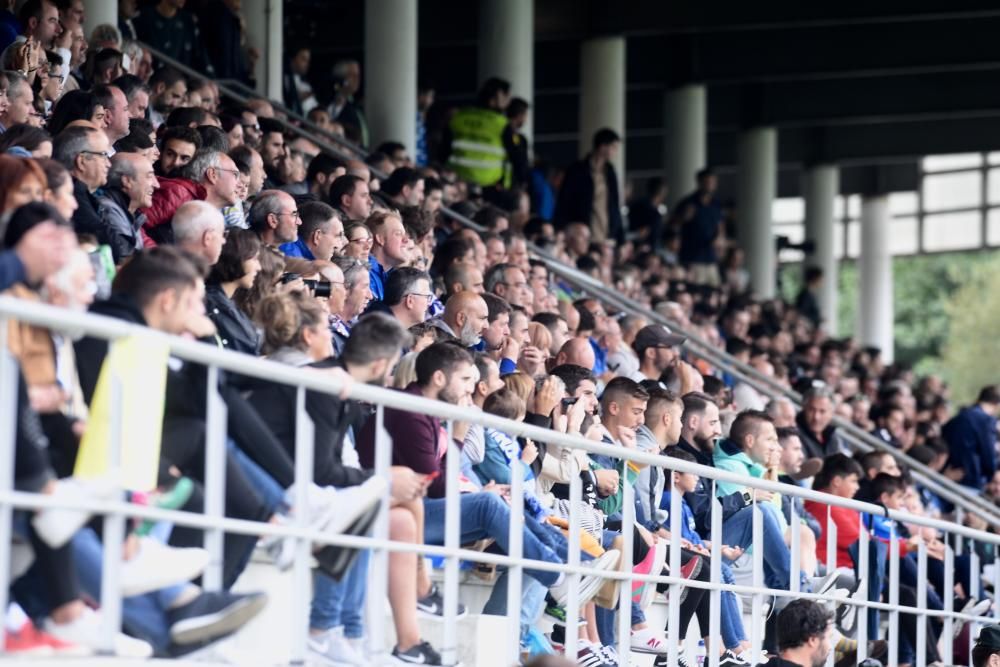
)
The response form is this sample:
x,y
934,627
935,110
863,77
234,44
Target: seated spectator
x,y
178,146
815,423
350,195
198,228
655,346
85,154
356,300
321,233
130,187
804,635
237,267
359,241
466,318
407,295
32,139
390,248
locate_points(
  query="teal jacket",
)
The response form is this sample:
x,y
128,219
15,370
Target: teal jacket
x,y
728,456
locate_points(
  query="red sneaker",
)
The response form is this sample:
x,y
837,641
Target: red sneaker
x,y
692,568
26,641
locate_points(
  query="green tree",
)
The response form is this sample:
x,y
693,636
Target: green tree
x,y
973,345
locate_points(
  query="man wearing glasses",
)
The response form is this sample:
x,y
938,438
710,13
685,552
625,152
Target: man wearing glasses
x,y
85,152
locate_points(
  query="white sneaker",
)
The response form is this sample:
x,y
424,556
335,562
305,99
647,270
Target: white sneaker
x,y
85,632
333,648
335,510
157,566
56,526
590,584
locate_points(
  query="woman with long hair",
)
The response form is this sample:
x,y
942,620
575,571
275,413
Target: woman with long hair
x,y
237,267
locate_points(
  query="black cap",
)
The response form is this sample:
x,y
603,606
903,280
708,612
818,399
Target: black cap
x,y
990,637
655,335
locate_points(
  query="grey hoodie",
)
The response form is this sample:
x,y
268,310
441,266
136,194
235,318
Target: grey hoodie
x,y
649,485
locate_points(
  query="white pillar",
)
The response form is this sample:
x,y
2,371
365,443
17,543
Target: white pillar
x,y
507,47
820,185
390,72
684,138
875,309
265,31
602,96
755,190
100,12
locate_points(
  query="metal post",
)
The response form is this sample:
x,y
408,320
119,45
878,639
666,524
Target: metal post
x,y
301,572
948,631
515,572
8,434
625,591
975,588
893,599
573,601
757,622
114,530
380,558
674,601
861,624
795,550
831,540
715,596
452,534
215,479
921,647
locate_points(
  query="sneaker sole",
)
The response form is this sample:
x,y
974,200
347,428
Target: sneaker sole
x,y
217,625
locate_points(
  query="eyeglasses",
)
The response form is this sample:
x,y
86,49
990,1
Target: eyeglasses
x,y
426,296
104,154
294,214
234,172
251,127
364,239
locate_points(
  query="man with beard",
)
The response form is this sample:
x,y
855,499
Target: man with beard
x,y
656,346
699,430
498,328
804,629
177,147
467,317
169,87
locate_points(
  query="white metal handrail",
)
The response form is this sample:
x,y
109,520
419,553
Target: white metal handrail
x,y
62,320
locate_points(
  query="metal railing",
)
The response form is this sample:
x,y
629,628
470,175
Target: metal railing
x,y
967,500
214,523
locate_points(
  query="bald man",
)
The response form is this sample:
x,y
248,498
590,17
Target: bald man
x,y
576,351
463,277
467,315
199,228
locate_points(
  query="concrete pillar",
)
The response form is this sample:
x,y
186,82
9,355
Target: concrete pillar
x,y
875,310
820,185
100,12
390,71
755,189
602,95
507,47
684,138
265,30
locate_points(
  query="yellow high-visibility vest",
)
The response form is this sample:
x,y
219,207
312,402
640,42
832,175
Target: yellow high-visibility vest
x,y
477,151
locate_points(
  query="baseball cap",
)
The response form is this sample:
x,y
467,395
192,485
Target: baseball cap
x,y
990,637
656,335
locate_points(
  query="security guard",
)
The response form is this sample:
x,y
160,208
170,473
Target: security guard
x,y
477,147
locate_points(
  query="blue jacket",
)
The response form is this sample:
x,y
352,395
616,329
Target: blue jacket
x,y
700,499
297,248
11,270
377,276
972,440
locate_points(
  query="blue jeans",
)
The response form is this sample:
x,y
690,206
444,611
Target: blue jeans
x,y
878,568
737,531
270,491
485,515
337,603
532,601
731,613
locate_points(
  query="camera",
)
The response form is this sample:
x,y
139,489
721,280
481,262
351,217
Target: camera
x,y
319,288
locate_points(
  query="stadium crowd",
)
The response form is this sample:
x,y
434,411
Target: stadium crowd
x,y
141,195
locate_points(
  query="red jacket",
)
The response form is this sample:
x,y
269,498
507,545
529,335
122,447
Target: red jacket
x,y
172,193
848,524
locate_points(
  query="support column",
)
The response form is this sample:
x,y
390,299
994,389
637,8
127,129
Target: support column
x,y
507,47
755,190
100,12
820,185
390,71
602,95
684,138
265,30
875,303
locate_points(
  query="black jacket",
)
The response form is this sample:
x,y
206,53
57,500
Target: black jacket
x,y
331,418
236,331
829,442
121,226
87,219
577,195
700,500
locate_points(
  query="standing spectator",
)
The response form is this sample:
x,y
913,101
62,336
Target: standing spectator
x,y
425,99
298,93
589,193
130,186
972,439
806,302
344,109
516,144
477,146
645,214
699,216
173,31
225,49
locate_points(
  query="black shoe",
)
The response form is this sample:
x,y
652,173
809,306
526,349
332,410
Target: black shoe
x,y
211,616
421,654
661,661
334,560
432,604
